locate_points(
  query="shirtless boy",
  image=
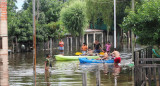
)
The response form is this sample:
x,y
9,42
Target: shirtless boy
x,y
90,52
105,57
116,54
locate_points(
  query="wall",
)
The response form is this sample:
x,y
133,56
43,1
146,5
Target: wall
x,y
3,27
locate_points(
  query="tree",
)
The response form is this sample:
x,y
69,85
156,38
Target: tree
x,y
106,10
11,9
103,10
20,23
73,17
145,22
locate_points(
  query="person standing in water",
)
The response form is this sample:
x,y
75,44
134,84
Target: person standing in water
x,y
108,46
61,47
47,65
47,62
116,54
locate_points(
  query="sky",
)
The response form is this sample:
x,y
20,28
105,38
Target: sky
x,y
19,4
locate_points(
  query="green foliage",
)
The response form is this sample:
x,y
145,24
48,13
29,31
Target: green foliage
x,y
48,24
123,9
145,22
12,18
104,10
53,29
92,10
51,9
74,17
20,23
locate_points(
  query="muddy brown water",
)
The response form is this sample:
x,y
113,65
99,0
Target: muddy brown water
x,y
17,70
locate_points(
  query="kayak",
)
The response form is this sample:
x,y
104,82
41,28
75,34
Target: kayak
x,y
86,60
65,58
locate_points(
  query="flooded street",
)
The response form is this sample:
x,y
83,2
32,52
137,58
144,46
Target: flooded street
x,y
65,73
79,43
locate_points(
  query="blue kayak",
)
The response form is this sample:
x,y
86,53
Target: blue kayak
x,y
85,60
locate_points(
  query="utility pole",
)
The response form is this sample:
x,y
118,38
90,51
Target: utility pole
x,y
115,24
34,43
133,38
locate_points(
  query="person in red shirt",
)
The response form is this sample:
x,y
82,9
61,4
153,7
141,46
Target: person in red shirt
x,y
61,47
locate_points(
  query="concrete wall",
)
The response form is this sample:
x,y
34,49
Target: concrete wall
x,y
3,27
4,76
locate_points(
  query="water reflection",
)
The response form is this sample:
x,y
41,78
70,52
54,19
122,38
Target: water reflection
x,y
98,69
4,78
84,79
116,71
47,76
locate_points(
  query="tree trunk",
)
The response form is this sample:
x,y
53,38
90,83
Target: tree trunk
x,y
13,47
16,45
108,32
107,35
76,43
121,39
50,46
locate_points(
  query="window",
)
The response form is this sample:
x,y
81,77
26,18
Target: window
x,y
0,42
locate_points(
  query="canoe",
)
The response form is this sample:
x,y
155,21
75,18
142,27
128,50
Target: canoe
x,y
86,60
65,58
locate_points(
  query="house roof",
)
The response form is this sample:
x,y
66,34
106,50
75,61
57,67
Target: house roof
x,y
93,31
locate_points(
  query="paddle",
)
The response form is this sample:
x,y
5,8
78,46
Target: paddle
x,y
78,53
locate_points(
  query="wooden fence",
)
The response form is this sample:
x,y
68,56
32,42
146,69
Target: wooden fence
x,y
147,69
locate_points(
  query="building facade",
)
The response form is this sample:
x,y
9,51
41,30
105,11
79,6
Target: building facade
x,y
3,28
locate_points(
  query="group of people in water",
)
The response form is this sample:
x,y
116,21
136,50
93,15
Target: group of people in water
x,y
88,51
97,51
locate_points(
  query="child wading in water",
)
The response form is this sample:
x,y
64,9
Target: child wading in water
x,y
47,65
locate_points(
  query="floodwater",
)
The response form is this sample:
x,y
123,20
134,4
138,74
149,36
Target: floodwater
x,y
18,71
